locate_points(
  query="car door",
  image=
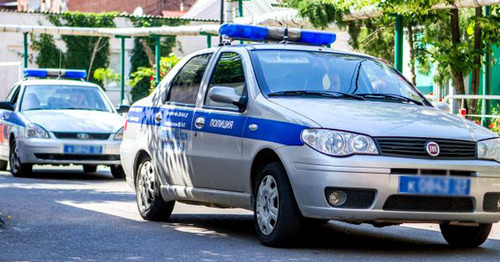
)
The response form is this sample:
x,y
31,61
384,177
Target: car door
x,y
217,141
7,121
174,119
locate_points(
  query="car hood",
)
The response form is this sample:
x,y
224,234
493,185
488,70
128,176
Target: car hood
x,y
379,119
76,120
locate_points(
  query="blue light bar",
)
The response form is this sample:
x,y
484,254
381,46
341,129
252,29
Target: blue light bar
x,y
46,72
316,37
244,32
262,33
75,74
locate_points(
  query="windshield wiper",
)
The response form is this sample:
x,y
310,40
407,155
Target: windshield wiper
x,y
392,97
329,94
79,108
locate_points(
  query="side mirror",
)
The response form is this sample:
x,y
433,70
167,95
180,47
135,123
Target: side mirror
x,y
6,105
441,106
123,109
226,95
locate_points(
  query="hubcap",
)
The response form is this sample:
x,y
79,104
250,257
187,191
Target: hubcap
x,y
267,205
14,159
146,186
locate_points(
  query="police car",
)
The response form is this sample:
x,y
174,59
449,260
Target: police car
x,y
59,122
300,133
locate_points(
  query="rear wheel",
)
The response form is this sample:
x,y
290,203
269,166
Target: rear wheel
x,y
117,172
89,168
278,220
465,236
17,168
149,200
3,165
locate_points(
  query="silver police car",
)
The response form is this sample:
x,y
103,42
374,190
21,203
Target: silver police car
x,y
305,134
59,122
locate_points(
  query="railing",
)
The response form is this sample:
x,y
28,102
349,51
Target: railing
x,y
483,98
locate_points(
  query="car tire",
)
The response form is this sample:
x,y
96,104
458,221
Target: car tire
x,y
17,168
148,196
3,165
117,172
278,221
89,168
465,236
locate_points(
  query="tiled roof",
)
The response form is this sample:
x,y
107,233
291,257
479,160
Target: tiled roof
x,y
119,15
210,9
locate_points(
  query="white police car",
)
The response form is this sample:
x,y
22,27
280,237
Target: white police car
x,y
303,133
59,122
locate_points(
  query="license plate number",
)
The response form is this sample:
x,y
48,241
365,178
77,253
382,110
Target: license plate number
x,y
83,149
434,185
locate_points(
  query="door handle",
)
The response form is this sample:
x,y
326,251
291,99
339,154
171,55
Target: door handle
x,y
158,117
199,122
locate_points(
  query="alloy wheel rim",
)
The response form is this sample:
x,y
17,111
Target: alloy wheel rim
x,y
267,205
15,163
146,186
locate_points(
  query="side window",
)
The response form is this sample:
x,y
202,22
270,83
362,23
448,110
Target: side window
x,y
229,73
11,93
186,83
15,95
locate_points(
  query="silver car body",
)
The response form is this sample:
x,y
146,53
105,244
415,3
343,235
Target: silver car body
x,y
77,128
214,163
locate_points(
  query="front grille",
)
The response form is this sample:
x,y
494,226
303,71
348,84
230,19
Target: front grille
x,y
355,198
429,204
73,157
73,135
491,202
415,148
432,172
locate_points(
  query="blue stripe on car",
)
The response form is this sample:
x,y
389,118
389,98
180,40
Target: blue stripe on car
x,y
221,124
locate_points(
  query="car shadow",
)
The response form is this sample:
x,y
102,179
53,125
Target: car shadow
x,y
72,173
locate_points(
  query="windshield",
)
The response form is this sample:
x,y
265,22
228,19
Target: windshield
x,y
284,71
49,97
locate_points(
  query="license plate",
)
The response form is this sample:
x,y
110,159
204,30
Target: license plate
x,y
434,185
83,149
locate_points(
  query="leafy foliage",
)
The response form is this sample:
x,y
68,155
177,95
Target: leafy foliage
x,y
140,57
148,74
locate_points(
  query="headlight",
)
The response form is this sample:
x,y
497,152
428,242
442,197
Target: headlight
x,y
119,134
489,149
36,131
338,143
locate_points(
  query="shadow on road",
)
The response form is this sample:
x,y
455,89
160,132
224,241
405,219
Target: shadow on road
x,y
74,173
93,210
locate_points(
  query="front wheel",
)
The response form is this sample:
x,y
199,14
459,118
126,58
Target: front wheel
x,y
3,165
17,168
278,220
465,236
149,200
117,172
89,168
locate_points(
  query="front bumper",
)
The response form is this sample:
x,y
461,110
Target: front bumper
x,y
311,173
50,151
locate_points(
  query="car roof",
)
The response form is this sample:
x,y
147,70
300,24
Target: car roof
x,y
66,82
297,47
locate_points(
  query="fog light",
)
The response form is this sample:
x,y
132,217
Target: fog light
x,y
337,198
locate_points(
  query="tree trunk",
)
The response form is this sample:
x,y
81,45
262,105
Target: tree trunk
x,y
92,57
458,76
477,60
411,41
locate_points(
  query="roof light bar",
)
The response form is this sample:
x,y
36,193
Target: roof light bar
x,y
49,72
263,33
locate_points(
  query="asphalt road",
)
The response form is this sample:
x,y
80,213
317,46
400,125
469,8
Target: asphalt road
x,y
64,215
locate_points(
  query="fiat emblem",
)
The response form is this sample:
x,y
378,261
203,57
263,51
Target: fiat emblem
x,y
82,136
432,149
